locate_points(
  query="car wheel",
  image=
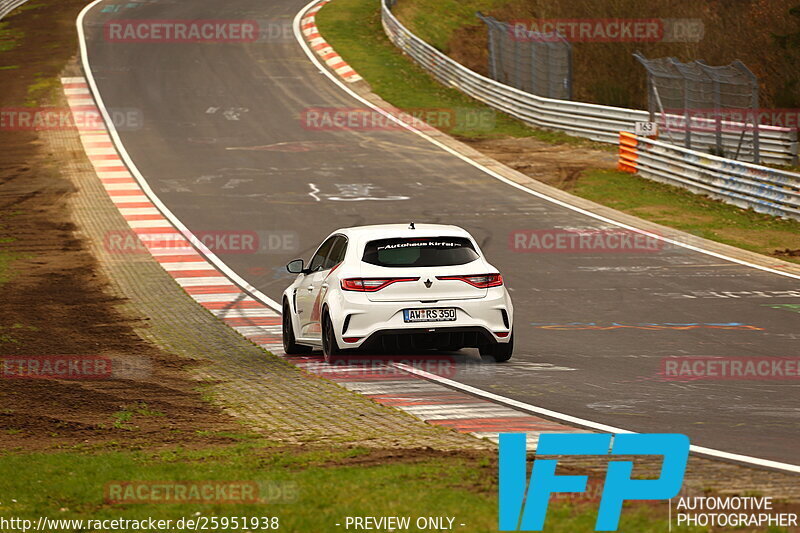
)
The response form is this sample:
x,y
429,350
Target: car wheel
x,y
290,347
330,348
501,352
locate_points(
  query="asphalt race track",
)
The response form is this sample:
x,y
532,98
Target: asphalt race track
x,y
224,147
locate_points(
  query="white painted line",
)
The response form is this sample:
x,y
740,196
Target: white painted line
x,y
95,137
217,297
587,423
110,150
319,368
80,101
114,174
175,249
122,187
130,199
210,281
508,401
182,266
268,301
394,387
112,130
156,239
465,411
138,211
532,437
264,312
257,330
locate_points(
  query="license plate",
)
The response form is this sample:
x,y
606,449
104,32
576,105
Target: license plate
x,y
429,315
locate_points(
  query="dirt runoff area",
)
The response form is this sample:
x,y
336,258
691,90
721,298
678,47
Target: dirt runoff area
x,y
557,165
162,370
54,301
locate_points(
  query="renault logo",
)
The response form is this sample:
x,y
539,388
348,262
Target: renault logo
x,y
428,283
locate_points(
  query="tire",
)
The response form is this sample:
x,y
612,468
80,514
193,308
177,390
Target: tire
x,y
330,348
501,352
290,347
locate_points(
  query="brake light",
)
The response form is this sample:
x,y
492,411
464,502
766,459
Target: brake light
x,y
481,281
371,284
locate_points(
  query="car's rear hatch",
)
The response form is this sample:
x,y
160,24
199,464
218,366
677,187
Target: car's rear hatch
x,y
427,288
420,263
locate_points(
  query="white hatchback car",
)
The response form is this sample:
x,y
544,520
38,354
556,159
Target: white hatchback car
x,y
397,288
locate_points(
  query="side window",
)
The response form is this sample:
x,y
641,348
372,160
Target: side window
x,y
337,253
318,261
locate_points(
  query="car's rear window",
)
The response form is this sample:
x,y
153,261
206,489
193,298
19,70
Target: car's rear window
x,y
420,252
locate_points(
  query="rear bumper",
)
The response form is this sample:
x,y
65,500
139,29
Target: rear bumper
x,y
380,325
391,340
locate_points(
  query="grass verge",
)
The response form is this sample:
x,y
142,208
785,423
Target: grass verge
x,y
692,213
436,24
353,28
309,490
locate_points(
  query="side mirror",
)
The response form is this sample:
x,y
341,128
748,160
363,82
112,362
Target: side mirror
x,y
296,267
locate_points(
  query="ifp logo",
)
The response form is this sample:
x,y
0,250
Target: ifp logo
x,y
527,512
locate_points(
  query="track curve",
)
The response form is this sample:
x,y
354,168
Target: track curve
x,y
224,148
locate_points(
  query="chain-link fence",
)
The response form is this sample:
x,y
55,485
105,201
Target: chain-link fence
x,y
710,108
534,62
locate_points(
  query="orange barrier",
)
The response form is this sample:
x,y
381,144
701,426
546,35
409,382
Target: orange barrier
x,y
627,152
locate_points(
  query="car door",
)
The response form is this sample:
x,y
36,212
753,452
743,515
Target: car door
x,y
308,289
334,258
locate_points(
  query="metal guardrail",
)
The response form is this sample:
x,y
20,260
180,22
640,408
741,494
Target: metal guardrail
x,y
7,6
762,189
596,122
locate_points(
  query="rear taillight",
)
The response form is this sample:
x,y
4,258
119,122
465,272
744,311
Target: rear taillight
x,y
370,284
481,281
